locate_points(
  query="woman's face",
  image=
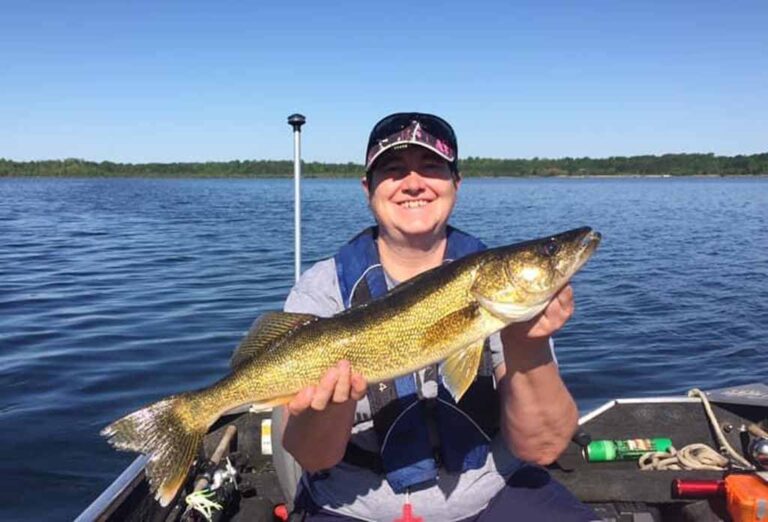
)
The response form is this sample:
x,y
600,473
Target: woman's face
x,y
412,193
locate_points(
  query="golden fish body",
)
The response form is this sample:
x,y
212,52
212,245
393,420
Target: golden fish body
x,y
444,314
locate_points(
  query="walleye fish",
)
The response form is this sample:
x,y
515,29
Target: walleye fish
x,y
444,314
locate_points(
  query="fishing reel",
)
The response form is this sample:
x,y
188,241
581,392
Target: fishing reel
x,y
215,493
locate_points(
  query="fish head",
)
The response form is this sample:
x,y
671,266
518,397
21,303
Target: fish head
x,y
516,282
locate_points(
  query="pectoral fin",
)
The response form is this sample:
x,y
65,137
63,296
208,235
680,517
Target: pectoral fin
x,y
460,369
268,329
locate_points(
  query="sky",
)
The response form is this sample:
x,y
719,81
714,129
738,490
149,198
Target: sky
x,y
163,81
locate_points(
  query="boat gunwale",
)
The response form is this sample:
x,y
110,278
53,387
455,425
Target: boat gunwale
x,y
639,400
116,491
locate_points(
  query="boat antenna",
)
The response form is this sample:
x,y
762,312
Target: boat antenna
x,y
296,121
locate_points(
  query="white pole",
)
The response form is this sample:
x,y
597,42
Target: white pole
x,y
296,121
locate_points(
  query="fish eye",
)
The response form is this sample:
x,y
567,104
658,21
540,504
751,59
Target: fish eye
x,y
550,248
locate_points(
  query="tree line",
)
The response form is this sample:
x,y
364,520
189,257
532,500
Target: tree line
x,y
666,164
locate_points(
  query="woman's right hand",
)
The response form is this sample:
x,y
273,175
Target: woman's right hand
x,y
320,418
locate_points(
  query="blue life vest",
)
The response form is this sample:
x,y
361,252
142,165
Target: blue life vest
x,y
417,435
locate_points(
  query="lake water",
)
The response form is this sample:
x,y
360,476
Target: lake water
x,y
117,292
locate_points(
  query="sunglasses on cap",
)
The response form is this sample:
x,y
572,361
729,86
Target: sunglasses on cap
x,y
412,128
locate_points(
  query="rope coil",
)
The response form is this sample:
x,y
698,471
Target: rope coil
x,y
697,456
691,457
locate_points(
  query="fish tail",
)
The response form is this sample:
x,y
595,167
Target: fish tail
x,y
168,436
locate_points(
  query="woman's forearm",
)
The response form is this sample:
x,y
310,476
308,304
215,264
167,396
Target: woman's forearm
x,y
538,416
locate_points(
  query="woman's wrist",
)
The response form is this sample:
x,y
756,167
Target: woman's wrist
x,y
522,352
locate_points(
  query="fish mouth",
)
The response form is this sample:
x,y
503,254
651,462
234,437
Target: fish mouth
x,y
591,238
589,244
585,247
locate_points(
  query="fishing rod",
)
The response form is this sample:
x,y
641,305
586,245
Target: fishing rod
x,y
296,121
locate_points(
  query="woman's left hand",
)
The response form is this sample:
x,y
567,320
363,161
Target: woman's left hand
x,y
555,315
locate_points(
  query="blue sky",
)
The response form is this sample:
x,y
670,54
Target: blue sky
x,y
194,81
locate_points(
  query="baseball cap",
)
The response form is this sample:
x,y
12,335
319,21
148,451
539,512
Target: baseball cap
x,y
403,129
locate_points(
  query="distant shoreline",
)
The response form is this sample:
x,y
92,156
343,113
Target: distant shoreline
x,y
667,165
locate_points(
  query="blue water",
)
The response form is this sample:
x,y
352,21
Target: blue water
x,y
116,292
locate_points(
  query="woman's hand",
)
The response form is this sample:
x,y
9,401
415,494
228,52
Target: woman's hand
x,y
553,318
320,418
338,386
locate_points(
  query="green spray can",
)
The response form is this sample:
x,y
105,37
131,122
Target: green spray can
x,y
629,449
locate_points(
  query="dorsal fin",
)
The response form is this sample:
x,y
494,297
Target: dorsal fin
x,y
268,329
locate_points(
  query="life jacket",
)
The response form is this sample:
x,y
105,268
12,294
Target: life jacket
x,y
418,432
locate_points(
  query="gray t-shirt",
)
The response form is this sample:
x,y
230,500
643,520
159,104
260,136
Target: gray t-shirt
x,y
363,494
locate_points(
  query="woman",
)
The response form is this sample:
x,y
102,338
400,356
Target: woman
x,y
369,451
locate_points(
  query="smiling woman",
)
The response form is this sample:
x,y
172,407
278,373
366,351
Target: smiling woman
x,y
371,453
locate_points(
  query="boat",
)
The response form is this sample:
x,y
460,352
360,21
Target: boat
x,y
238,459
